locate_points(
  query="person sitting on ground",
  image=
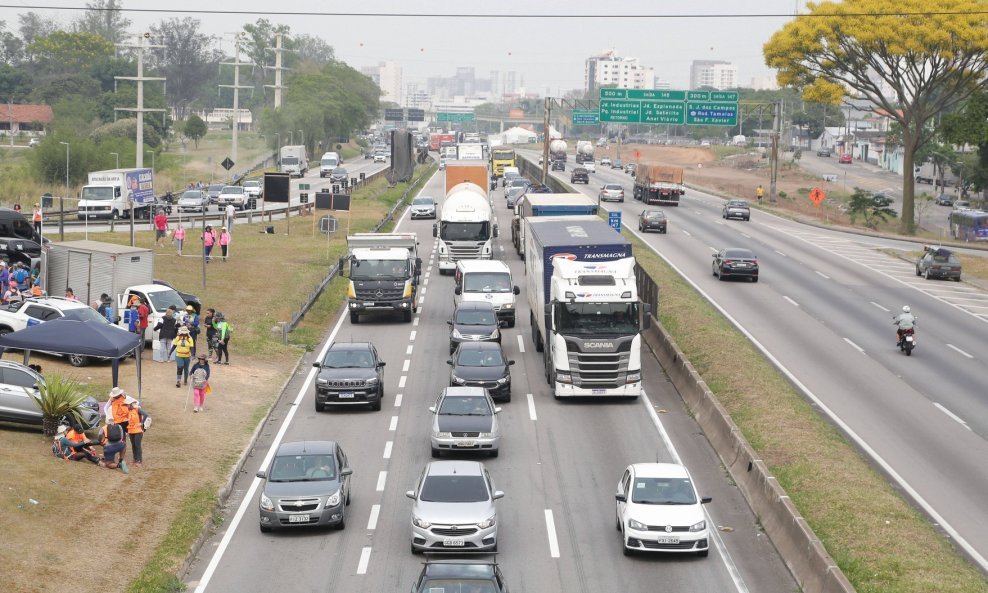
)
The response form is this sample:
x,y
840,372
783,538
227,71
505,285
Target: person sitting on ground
x,y
73,444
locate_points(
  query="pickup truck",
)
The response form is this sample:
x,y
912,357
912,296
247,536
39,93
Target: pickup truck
x,y
233,194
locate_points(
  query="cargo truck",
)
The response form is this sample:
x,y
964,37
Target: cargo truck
x,y
584,152
501,157
112,193
384,270
466,226
470,152
585,314
436,139
294,160
474,172
547,205
659,184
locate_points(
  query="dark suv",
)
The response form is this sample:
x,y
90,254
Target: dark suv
x,y
579,175
473,321
460,575
350,374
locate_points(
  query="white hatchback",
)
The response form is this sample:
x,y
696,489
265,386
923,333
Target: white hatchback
x,y
658,510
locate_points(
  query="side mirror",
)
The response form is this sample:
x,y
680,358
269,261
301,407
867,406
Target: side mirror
x,y
620,497
714,255
418,266
449,362
449,322
262,474
432,409
381,364
495,231
457,290
318,365
706,499
511,363
516,290
410,494
547,309
497,410
435,230
498,494
346,471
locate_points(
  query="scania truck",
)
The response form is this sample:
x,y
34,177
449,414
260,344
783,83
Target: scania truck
x,y
384,274
466,226
585,315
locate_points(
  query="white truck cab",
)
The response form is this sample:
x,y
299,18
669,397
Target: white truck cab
x,y
328,162
158,299
487,280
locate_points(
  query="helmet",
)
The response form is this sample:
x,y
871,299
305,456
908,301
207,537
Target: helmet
x,y
905,309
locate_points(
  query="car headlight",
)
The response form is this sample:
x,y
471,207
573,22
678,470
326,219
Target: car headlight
x,y
457,380
489,522
457,334
487,435
495,334
698,526
334,499
564,377
637,526
507,306
266,503
504,380
633,377
322,381
420,523
350,293
371,381
443,435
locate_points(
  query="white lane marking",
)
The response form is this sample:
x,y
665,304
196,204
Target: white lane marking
x,y
952,415
718,222
401,381
411,336
364,560
531,407
879,306
959,351
248,499
687,233
746,236
501,247
406,364
394,424
398,400
408,350
424,289
714,249
421,299
794,303
415,321
550,527
381,479
855,346
822,275
521,344
425,281
387,449
372,521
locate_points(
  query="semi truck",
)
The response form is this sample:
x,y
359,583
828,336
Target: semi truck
x,y
436,139
585,314
659,184
470,152
466,226
557,150
474,172
384,270
112,193
501,157
547,205
584,152
294,160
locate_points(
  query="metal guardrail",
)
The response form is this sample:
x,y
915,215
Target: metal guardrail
x,y
337,269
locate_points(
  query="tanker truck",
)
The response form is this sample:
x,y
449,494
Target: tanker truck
x,y
584,152
557,150
466,226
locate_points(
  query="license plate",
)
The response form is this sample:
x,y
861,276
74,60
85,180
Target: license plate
x,y
742,265
466,443
303,518
450,542
597,391
667,540
346,395
369,304
909,338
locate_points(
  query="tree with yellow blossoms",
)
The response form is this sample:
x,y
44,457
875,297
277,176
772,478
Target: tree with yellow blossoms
x,y
911,59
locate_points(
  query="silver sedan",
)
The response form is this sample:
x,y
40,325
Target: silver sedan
x,y
454,508
465,419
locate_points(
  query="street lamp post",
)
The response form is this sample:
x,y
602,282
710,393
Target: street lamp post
x,y
301,137
116,154
61,201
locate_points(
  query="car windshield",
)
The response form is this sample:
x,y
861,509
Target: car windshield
x,y
251,184
737,204
612,186
465,406
423,202
302,468
289,160
378,269
465,231
487,282
457,488
348,359
339,171
328,162
192,195
458,586
475,317
663,491
480,358
738,254
232,189
598,319
162,299
84,314
97,193
518,181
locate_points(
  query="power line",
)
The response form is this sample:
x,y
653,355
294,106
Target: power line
x,y
311,13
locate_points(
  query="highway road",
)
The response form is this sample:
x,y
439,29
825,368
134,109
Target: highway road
x,y
822,310
559,467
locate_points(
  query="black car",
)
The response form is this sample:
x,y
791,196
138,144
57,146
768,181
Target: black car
x,y
922,179
735,261
736,209
473,321
938,262
823,152
579,175
944,200
460,575
539,188
881,200
482,364
350,374
339,175
558,166
652,220
190,299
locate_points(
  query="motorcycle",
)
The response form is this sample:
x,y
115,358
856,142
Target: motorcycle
x,y
907,341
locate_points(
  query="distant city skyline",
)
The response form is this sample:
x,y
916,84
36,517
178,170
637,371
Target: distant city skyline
x,y
548,53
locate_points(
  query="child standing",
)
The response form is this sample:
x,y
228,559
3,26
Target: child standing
x,y
135,428
200,382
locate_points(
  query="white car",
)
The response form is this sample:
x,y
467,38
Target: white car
x,y
380,157
605,162
659,510
590,167
33,142
34,310
252,187
232,194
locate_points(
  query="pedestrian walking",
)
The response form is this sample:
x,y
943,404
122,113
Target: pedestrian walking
x,y
160,228
231,215
135,429
182,347
200,383
207,322
223,333
208,240
224,242
178,237
36,218
759,192
167,329
191,321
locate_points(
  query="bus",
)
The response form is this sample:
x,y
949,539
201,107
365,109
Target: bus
x,y
501,158
968,225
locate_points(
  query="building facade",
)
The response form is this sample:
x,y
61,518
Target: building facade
x,y
388,77
609,69
716,74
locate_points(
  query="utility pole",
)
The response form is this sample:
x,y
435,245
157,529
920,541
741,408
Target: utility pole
x,y
278,68
236,86
545,138
776,132
141,45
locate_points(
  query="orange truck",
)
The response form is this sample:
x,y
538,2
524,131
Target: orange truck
x,y
471,171
659,184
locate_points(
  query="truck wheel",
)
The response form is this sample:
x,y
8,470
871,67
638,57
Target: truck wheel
x,y
355,318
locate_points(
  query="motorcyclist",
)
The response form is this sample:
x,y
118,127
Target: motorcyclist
x,y
904,321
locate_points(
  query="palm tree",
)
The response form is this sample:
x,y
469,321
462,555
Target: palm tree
x,y
58,396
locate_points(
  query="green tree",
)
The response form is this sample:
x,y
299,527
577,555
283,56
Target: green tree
x,y
33,25
862,206
105,19
969,126
194,129
307,48
931,54
188,61
63,52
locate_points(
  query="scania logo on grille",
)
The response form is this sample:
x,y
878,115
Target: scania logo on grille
x,y
668,528
598,344
379,293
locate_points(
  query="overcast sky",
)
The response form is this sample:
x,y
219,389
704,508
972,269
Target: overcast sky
x,y
548,52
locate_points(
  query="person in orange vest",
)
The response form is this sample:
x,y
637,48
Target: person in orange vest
x,y
36,218
118,412
73,444
135,428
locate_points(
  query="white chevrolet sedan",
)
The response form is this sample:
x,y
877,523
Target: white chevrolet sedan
x,y
658,510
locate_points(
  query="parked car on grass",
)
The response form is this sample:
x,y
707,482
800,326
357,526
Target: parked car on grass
x,y
18,389
937,262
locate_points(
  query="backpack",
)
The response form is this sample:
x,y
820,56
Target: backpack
x,y
199,379
57,450
116,435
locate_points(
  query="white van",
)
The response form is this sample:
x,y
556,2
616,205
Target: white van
x,y
487,280
328,162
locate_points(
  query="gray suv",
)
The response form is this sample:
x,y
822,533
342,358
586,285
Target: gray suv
x,y
350,374
18,387
455,508
308,483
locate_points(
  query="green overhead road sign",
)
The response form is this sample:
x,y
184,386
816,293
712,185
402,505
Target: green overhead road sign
x,y
646,106
444,116
586,117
